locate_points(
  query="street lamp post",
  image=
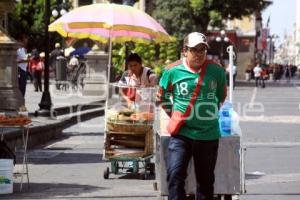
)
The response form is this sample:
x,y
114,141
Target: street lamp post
x,y
61,8
222,39
46,103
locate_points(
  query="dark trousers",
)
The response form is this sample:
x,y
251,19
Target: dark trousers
x,y
204,153
37,78
260,81
22,81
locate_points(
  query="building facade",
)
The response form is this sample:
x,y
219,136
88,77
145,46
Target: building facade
x,y
242,35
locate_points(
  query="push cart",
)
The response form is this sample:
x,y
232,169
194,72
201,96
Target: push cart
x,y
229,171
129,131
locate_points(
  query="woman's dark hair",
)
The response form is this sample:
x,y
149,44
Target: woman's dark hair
x,y
35,54
134,57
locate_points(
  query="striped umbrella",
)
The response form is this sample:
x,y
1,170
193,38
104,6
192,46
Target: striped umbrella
x,y
106,22
110,22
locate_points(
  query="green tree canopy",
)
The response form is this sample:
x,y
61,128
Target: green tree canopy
x,y
28,18
180,17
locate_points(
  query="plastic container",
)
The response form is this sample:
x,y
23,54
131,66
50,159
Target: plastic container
x,y
6,176
225,119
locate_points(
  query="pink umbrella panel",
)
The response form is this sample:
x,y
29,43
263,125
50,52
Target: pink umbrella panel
x,y
116,36
106,21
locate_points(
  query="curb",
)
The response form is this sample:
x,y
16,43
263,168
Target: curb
x,y
75,108
41,134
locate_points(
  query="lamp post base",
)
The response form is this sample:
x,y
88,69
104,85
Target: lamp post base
x,y
45,113
45,106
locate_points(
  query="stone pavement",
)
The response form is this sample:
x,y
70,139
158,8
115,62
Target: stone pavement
x,y
60,98
72,167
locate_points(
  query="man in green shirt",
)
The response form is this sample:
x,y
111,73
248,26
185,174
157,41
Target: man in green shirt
x,y
194,124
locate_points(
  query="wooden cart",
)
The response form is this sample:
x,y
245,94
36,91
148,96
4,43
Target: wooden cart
x,y
128,140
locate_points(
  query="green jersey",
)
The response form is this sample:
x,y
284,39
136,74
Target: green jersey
x,y
177,85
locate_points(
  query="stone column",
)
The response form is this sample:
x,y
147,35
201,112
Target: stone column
x,y
10,95
96,74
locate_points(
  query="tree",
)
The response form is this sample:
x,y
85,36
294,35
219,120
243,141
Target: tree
x,y
28,18
180,17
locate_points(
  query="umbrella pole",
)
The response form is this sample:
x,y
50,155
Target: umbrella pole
x,y
109,62
231,54
108,80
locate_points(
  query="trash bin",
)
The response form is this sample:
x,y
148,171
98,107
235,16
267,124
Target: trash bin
x,y
6,174
61,68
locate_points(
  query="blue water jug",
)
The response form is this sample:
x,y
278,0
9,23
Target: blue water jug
x,y
225,114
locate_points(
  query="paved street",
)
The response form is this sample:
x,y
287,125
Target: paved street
x,y
72,167
272,139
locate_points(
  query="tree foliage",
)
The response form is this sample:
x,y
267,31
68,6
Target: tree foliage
x,y
180,17
28,18
153,56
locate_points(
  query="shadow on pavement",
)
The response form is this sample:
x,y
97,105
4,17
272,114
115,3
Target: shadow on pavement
x,y
68,134
68,158
51,191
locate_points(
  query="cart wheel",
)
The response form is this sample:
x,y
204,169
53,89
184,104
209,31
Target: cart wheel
x,y
106,173
227,197
151,168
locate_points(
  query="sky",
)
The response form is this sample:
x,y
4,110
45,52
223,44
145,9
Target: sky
x,y
282,17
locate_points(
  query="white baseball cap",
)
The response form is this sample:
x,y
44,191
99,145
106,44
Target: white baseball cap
x,y
195,38
57,45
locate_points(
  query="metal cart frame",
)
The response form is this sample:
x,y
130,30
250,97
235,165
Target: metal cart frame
x,y
229,171
118,165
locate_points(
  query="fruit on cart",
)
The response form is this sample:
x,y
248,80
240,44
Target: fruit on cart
x,y
143,116
14,120
126,112
122,117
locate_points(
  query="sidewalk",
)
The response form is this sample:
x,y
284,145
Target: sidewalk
x,y
60,98
71,107
294,82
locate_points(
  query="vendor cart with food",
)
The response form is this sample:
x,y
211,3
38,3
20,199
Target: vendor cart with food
x,y
128,141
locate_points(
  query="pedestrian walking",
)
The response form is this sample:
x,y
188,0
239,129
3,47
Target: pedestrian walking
x,y
36,67
57,52
257,74
22,62
191,91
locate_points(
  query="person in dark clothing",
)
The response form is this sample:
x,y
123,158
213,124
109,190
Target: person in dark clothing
x,y
53,56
